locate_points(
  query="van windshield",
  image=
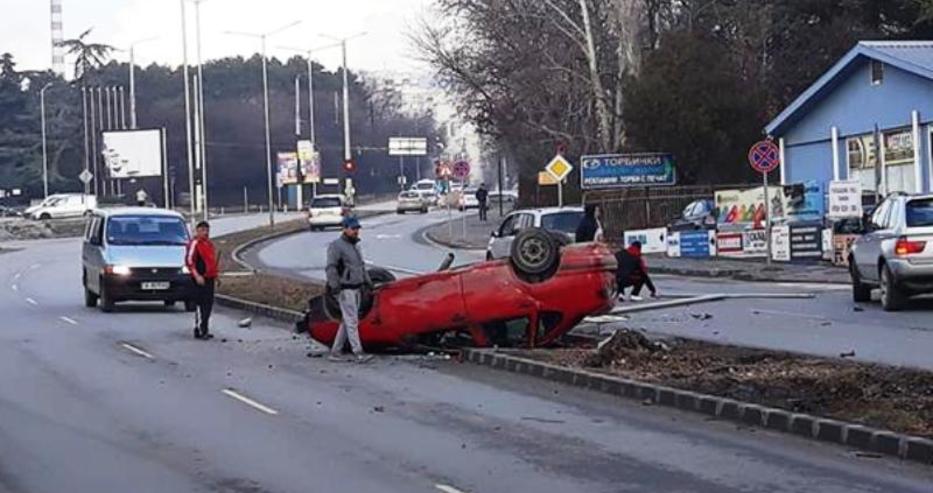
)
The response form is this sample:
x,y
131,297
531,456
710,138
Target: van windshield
x,y
146,230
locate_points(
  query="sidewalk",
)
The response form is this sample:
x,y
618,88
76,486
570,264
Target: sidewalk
x,y
474,237
748,270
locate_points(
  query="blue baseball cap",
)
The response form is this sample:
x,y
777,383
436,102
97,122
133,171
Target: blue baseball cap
x,y
351,222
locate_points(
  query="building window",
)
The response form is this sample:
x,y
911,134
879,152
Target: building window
x,y
877,73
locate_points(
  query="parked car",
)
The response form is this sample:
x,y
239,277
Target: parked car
x,y
468,199
560,220
427,189
6,211
698,215
326,211
135,254
62,205
411,201
508,197
893,252
532,298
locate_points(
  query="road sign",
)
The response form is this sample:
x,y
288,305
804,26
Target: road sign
x,y
764,156
408,146
461,169
546,179
86,177
559,168
331,181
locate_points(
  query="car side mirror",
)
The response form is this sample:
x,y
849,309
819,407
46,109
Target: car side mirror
x,y
494,234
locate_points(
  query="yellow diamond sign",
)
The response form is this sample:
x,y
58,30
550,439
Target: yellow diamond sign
x,y
559,168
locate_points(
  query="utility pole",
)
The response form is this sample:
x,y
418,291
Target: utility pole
x,y
184,48
45,152
201,146
347,152
133,121
87,156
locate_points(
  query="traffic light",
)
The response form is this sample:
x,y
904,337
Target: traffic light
x,y
349,166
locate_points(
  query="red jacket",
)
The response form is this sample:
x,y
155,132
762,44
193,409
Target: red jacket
x,y
201,257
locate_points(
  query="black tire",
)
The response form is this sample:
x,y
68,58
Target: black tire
x,y
106,301
400,211
424,210
489,257
45,216
169,303
892,297
190,306
90,299
860,292
535,254
379,277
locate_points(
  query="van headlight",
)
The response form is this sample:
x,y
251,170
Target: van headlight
x,y
118,270
185,269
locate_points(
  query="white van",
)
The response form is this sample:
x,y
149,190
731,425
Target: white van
x,y
62,205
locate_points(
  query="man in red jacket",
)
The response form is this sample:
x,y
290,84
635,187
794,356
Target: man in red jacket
x,y
201,259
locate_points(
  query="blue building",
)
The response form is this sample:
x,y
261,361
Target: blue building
x,y
869,118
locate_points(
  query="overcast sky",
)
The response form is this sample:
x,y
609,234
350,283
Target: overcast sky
x,y
25,28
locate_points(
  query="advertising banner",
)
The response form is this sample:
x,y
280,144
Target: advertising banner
x,y
697,244
780,243
627,170
287,168
845,199
673,244
842,246
746,208
806,242
729,244
755,243
132,153
652,240
310,161
804,202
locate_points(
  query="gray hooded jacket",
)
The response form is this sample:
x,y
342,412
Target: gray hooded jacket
x,y
345,266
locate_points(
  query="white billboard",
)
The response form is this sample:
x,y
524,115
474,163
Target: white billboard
x,y
133,153
408,146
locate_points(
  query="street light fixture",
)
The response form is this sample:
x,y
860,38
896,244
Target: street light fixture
x,y
307,53
265,90
45,154
347,156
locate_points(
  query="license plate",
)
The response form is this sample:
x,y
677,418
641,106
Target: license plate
x,y
155,286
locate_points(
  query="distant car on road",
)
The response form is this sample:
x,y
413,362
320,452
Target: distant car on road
x,y
62,205
698,215
326,211
895,253
468,199
135,254
560,220
6,211
508,197
427,189
535,296
411,201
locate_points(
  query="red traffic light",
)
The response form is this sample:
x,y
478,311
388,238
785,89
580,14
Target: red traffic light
x,y
349,166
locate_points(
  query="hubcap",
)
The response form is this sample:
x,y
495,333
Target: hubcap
x,y
534,252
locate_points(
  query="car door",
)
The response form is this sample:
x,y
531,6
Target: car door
x,y
868,247
92,253
500,245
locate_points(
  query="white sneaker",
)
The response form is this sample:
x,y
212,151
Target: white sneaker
x,y
336,358
635,298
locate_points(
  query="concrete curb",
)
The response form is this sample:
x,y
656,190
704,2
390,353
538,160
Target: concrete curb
x,y
450,244
275,313
235,254
738,275
916,449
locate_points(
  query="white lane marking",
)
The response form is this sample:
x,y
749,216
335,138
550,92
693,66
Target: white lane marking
x,y
31,301
249,402
135,350
17,276
68,320
15,287
447,489
34,266
388,237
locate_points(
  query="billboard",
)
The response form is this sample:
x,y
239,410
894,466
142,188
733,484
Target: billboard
x,y
627,170
132,153
408,146
310,161
287,168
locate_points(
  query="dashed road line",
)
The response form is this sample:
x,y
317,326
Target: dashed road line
x,y
32,301
15,287
68,320
34,266
249,402
447,489
135,350
17,276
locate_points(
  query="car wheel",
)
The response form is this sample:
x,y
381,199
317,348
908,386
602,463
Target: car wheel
x,y
45,216
169,303
860,292
892,298
535,253
489,256
424,210
106,301
400,211
90,299
190,306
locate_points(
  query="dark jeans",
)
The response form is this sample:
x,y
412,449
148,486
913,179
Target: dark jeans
x,y
483,210
204,298
634,282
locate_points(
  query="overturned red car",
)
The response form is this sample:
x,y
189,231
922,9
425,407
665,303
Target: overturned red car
x,y
532,298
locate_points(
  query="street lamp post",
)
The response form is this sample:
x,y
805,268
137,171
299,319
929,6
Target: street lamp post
x,y
347,153
265,97
202,147
45,153
133,80
184,51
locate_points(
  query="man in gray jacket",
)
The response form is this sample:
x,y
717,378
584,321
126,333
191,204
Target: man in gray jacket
x,y
346,277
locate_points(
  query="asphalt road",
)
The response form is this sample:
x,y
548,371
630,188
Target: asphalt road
x,y
826,325
93,402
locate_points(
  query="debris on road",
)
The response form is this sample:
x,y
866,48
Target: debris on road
x,y
850,354
701,316
246,322
857,308
379,409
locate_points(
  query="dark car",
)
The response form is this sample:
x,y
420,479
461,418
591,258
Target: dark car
x,y
698,215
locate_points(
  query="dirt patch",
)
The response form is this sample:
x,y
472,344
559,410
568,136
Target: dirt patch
x,y
258,287
875,395
25,229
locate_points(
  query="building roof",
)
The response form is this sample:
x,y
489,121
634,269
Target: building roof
x,y
910,56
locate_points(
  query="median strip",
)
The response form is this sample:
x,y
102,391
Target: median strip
x,y
249,402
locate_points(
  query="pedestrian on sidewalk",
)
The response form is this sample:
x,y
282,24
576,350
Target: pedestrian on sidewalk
x,y
590,228
142,197
202,262
633,272
482,197
346,278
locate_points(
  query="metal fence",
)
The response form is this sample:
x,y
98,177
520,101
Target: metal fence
x,y
640,208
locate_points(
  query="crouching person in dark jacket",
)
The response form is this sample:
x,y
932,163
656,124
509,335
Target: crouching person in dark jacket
x,y
633,271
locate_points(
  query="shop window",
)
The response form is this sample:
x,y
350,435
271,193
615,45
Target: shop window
x,y
877,73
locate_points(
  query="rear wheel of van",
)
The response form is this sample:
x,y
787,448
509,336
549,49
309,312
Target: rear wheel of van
x,y
190,306
106,301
